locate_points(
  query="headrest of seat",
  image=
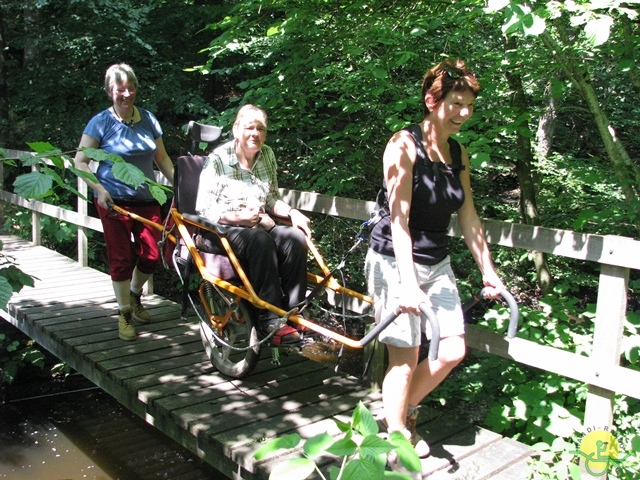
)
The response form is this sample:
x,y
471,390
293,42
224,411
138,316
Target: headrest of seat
x,y
199,132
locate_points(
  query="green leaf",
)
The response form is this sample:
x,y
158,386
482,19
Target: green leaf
x,y
44,148
406,452
533,24
16,277
374,445
343,448
363,421
159,193
294,469
479,159
128,173
33,185
496,5
360,469
318,444
30,159
598,29
343,426
286,442
5,292
100,155
379,73
574,471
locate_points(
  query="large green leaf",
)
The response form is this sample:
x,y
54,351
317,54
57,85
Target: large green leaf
x,y
361,469
128,173
373,445
363,421
294,469
5,292
318,444
286,442
406,453
33,185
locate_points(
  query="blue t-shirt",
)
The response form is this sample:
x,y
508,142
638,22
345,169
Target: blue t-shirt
x,y
135,144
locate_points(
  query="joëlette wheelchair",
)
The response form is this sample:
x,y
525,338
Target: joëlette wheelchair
x,y
215,285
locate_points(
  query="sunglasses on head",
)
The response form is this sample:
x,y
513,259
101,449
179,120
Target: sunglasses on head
x,y
456,73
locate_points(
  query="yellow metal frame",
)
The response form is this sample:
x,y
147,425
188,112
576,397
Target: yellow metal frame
x,y
246,291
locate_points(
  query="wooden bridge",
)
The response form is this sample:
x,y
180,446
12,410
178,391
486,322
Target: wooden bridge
x,y
165,378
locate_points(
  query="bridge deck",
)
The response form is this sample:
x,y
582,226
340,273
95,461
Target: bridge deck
x,y
165,378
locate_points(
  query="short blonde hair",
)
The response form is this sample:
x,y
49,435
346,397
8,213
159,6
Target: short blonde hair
x,y
250,110
119,73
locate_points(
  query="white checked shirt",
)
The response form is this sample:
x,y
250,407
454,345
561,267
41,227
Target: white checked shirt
x,y
227,187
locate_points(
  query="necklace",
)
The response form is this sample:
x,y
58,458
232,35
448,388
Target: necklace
x,y
128,123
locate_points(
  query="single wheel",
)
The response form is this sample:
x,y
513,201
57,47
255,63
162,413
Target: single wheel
x,y
236,350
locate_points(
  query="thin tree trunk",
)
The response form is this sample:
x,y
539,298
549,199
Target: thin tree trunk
x,y
546,126
627,173
4,89
524,161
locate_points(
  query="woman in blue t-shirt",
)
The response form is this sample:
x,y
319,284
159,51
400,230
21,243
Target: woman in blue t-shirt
x,y
426,180
134,134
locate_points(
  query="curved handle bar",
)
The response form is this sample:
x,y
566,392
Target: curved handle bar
x,y
435,329
513,309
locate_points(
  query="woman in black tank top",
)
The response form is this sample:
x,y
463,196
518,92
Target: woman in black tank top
x,y
426,180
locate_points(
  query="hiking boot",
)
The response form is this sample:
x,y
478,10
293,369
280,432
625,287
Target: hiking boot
x,y
138,312
126,329
420,446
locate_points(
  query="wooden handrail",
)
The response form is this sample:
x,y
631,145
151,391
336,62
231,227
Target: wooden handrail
x,y
615,254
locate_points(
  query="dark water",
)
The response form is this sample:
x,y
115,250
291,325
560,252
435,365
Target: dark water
x,y
86,434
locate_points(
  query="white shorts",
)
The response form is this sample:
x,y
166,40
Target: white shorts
x,y
437,281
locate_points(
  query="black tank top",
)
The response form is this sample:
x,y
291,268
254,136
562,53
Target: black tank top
x,y
437,193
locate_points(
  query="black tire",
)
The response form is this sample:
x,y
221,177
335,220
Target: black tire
x,y
241,353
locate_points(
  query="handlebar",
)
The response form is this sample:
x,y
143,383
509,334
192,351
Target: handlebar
x,y
513,308
433,321
435,325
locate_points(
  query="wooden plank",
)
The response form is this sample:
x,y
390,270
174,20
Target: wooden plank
x,y
584,369
485,463
53,211
450,451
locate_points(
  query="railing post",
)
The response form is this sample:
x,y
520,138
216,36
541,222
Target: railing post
x,y
611,312
83,242
36,235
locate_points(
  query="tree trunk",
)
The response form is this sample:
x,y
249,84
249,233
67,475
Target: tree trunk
x,y
629,47
546,126
4,89
31,47
627,173
524,161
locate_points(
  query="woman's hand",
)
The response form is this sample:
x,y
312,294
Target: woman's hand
x,y
247,217
301,221
104,199
410,299
266,223
493,284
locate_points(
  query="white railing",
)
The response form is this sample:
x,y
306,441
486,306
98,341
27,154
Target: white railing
x,y
616,256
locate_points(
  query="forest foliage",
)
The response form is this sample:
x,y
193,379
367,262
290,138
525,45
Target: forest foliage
x,y
553,140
